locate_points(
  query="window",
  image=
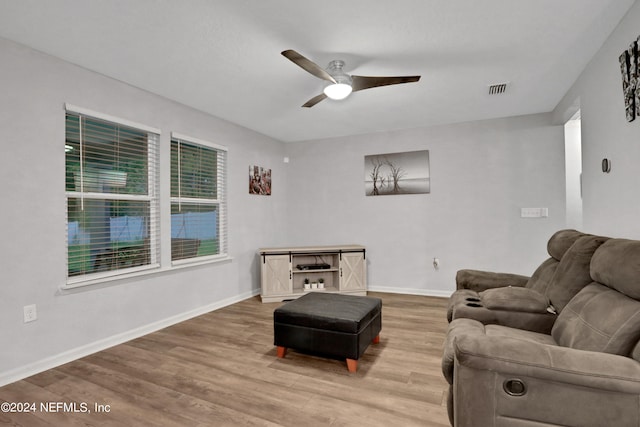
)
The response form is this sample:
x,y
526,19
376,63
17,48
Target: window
x,y
198,200
111,191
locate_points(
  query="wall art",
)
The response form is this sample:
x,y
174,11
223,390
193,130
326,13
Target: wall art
x,y
397,173
629,68
259,180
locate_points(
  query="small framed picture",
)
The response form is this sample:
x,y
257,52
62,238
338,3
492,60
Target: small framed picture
x,y
259,180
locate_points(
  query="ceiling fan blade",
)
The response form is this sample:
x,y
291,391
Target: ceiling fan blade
x,y
307,65
313,101
364,82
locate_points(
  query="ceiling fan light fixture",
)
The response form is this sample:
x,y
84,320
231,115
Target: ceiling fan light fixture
x,y
340,84
338,90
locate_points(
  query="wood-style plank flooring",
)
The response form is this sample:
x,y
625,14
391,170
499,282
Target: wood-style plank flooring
x,y
221,369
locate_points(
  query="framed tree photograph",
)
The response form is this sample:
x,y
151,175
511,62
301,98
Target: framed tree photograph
x,y
397,173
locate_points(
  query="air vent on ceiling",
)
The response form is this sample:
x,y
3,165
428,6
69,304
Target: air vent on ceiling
x,y
497,88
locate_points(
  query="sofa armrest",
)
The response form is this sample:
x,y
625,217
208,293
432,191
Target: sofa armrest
x,y
520,358
457,327
517,299
501,380
478,280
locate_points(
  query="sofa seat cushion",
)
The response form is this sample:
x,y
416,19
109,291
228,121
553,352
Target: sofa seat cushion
x,y
514,299
506,332
600,319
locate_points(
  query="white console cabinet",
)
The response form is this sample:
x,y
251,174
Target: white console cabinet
x,y
343,269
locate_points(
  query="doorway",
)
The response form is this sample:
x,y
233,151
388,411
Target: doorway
x,y
573,171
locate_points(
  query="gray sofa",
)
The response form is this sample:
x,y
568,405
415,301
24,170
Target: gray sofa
x,y
585,372
530,303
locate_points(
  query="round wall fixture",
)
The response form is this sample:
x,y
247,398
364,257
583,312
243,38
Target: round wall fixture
x,y
606,165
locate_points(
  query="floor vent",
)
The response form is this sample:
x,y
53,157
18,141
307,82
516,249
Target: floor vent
x,y
497,88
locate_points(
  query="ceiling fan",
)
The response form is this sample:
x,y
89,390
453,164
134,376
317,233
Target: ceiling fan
x,y
342,84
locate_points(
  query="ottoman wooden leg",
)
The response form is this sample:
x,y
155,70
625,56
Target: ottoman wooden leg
x,y
352,365
376,340
282,351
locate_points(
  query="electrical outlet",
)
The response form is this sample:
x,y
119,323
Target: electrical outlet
x,y
30,313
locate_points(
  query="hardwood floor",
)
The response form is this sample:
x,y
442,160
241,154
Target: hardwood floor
x,y
221,369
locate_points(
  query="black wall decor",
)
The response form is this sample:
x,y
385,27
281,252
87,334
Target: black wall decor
x,y
630,80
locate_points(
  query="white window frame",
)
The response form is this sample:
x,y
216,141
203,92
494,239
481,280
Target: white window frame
x,y
220,201
152,197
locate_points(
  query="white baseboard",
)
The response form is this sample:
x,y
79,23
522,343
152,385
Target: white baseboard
x,y
412,291
85,350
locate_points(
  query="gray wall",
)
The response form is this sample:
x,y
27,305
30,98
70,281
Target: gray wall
x,y
34,88
482,173
611,201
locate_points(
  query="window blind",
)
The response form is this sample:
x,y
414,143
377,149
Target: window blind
x,y
198,199
112,197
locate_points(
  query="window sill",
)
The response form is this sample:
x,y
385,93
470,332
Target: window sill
x,y
188,262
95,282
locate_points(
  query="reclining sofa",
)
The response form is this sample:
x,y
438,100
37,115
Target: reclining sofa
x,y
530,303
585,372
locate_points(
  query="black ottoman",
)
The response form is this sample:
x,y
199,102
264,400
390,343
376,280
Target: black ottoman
x,y
328,324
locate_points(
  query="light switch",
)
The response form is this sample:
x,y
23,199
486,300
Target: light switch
x,y
534,212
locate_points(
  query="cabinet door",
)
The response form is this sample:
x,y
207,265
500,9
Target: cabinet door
x,y
276,275
353,272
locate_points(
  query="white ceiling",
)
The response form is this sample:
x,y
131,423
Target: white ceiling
x,y
223,56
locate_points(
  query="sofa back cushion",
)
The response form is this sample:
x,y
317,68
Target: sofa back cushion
x,y
561,241
573,271
557,245
605,316
541,278
617,264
